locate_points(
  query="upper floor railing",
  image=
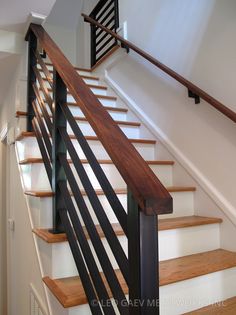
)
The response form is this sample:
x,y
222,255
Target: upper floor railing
x,y
107,13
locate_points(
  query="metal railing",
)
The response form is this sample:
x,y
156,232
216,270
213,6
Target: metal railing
x,y
48,117
107,13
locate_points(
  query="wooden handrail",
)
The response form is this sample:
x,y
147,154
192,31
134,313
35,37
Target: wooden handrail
x,y
151,195
189,85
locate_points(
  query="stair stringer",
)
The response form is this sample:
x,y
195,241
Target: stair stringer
x,y
37,251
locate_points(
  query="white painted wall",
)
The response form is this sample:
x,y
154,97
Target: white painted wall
x,y
3,251
65,38
62,25
22,263
83,35
192,37
23,266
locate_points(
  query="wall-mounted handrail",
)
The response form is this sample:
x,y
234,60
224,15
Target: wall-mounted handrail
x,y
148,191
189,85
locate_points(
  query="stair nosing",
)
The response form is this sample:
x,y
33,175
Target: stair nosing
x,y
108,108
50,238
82,76
105,97
92,86
76,68
84,119
28,134
201,260
99,192
109,162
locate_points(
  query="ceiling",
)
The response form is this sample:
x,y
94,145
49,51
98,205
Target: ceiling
x,y
13,18
14,13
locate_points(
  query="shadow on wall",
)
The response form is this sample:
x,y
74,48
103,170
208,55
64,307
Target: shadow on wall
x,y
194,38
215,63
172,30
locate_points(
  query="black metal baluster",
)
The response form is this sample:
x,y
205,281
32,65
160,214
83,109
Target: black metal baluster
x,y
31,78
43,109
86,251
95,238
143,261
43,151
58,174
117,22
104,45
84,275
44,133
110,235
93,44
104,10
97,169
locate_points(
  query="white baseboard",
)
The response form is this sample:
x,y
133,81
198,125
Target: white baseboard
x,y
207,186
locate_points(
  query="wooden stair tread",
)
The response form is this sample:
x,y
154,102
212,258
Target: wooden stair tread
x,y
84,119
26,134
70,292
163,224
99,192
40,160
227,307
50,238
188,221
105,97
188,267
108,108
76,68
82,76
92,86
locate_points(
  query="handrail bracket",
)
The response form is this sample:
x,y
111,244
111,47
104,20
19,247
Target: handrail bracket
x,y
195,96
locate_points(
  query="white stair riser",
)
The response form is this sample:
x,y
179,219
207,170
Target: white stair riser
x,y
180,297
192,294
87,81
57,308
122,116
35,176
42,208
104,102
76,111
59,262
28,147
96,90
131,132
81,72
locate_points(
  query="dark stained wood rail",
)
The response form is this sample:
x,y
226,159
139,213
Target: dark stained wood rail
x,y
189,85
151,195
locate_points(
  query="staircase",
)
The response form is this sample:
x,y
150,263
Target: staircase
x,y
194,271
